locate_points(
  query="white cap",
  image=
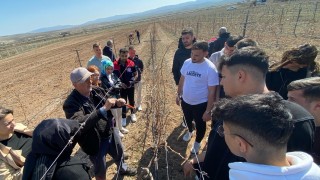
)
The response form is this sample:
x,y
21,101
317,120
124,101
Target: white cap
x,y
80,75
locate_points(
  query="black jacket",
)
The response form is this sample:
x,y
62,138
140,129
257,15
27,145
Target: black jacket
x,y
218,155
50,137
218,44
107,51
180,56
139,66
279,80
83,109
112,89
316,147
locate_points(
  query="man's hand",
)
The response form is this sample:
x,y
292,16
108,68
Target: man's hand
x,y
124,86
4,148
16,158
110,102
206,116
187,168
120,102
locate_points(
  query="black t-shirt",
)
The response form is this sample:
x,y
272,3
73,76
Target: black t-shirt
x,y
218,155
279,80
19,141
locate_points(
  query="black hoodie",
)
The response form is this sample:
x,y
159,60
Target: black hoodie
x,y
180,56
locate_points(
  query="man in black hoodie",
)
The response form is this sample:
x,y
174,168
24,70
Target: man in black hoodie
x,y
218,44
183,53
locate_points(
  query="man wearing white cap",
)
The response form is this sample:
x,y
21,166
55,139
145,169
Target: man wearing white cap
x,y
86,102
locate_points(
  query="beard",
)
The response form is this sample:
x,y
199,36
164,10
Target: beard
x,y
186,44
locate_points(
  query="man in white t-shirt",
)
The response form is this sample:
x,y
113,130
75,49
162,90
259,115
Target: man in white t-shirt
x,y
229,47
196,91
258,127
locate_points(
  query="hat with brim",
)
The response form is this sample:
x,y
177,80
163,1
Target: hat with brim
x,y
80,75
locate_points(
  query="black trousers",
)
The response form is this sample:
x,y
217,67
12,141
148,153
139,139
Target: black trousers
x,y
195,112
128,95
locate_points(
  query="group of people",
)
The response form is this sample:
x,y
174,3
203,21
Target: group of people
x,y
95,118
131,37
264,119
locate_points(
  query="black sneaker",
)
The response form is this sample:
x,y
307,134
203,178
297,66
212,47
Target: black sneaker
x,y
128,172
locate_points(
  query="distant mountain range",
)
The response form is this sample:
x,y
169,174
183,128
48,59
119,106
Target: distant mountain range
x,y
187,6
53,28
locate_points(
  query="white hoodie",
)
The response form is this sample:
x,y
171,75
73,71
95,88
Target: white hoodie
x,y
302,167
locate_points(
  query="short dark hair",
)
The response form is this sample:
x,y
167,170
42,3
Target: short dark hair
x,y
246,42
123,50
188,30
200,45
262,119
248,56
4,112
232,40
310,87
95,45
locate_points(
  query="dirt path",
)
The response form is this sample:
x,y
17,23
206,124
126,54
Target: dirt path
x,y
140,150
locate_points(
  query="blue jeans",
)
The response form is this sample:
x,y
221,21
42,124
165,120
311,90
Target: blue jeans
x,y
107,146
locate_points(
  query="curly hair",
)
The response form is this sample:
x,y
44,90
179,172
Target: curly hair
x,y
305,55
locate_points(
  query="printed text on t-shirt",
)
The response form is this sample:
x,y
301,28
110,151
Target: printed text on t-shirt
x,y
194,73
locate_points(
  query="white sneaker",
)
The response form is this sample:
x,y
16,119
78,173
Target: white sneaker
x,y
183,124
124,130
187,136
117,132
121,135
195,148
124,122
140,108
133,117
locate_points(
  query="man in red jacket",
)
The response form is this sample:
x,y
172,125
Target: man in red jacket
x,y
126,70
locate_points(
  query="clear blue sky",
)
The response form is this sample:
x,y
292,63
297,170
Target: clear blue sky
x,y
21,16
